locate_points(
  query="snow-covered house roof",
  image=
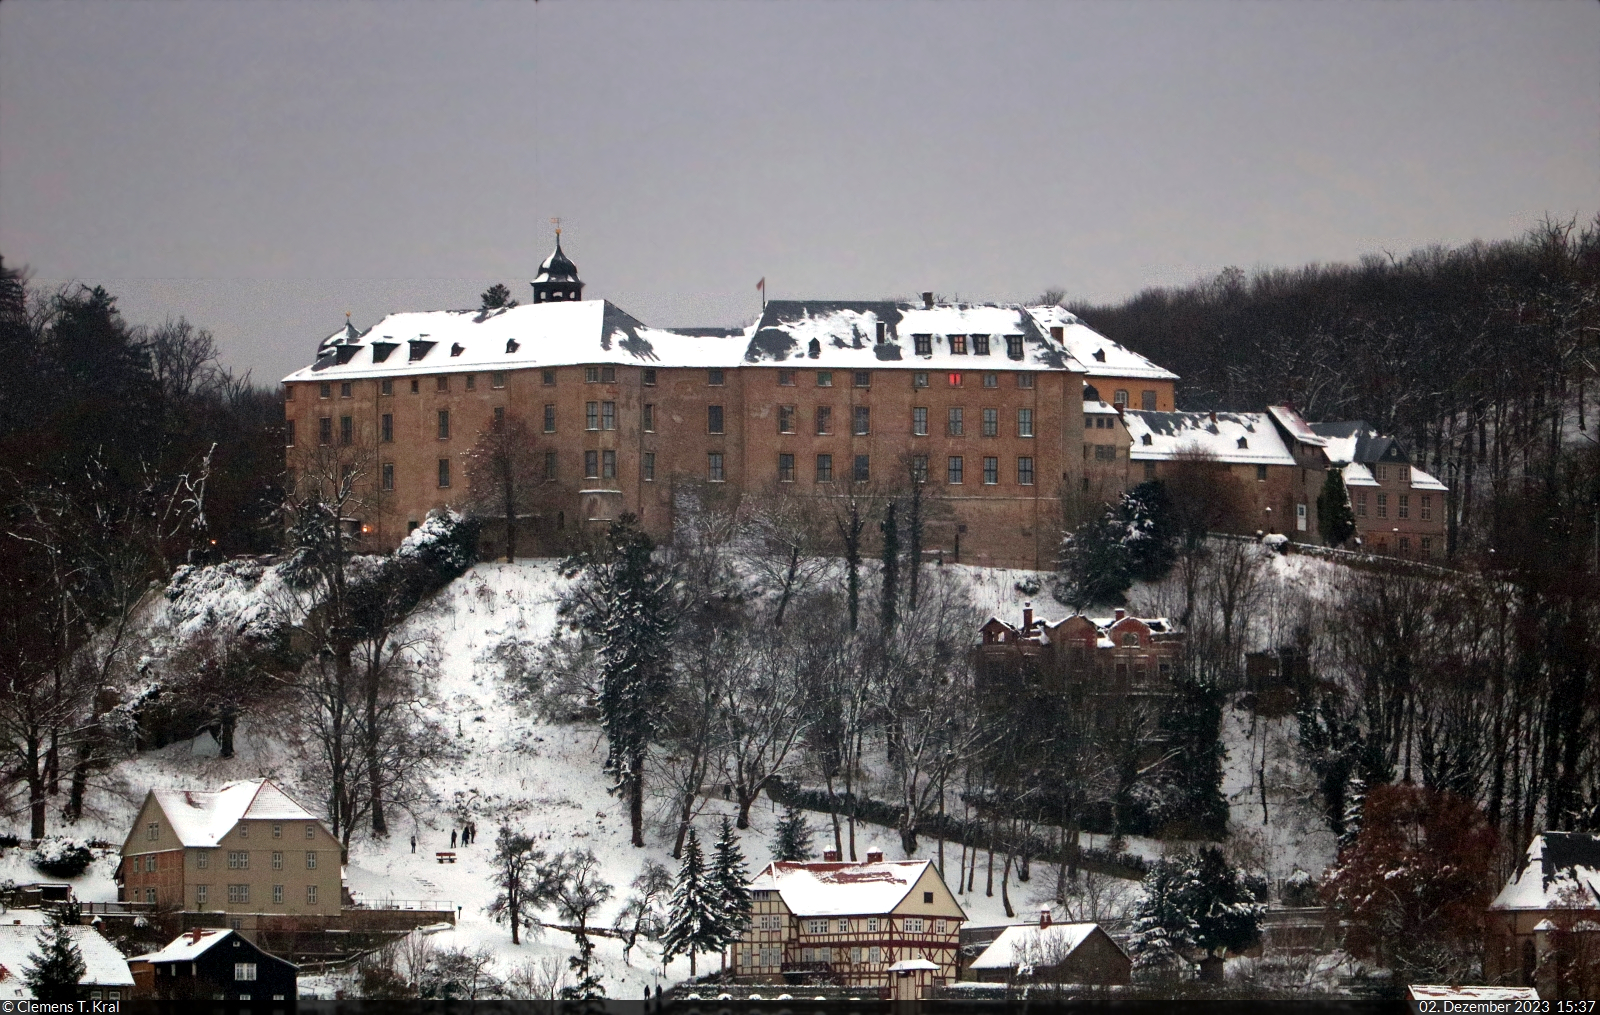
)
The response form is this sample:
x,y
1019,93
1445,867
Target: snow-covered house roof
x,y
844,334
1355,441
1029,942
103,965
1096,407
1356,474
561,333
1099,355
1422,481
1232,437
187,947
202,818
1560,871
1295,426
913,965
840,889
1444,992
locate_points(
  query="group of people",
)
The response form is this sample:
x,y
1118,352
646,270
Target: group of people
x,y
467,836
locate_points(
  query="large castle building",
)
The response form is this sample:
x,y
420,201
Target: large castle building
x,y
1004,413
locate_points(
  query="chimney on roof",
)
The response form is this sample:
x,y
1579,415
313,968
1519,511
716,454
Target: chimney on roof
x,y
194,936
830,856
1057,332
1118,614
882,331
1213,415
874,856
1027,617
927,301
1044,917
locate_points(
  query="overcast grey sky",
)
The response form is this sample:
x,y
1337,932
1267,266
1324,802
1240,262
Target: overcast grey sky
x,y
264,167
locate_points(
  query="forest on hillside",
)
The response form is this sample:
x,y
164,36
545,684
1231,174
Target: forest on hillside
x,y
1482,358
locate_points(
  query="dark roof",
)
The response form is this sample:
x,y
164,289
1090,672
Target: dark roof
x,y
1371,446
558,267
1566,850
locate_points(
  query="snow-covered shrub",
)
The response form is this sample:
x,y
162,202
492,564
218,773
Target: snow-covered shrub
x,y
61,857
1029,586
1300,889
446,543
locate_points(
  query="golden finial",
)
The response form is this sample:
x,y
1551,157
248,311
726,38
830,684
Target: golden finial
x,y
557,223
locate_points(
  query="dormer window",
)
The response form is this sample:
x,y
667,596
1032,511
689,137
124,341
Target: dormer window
x,y
958,345
1244,442
923,344
1146,440
1014,346
456,348
1100,355
980,345
882,331
511,346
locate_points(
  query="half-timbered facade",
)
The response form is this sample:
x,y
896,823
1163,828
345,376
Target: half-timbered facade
x,y
848,923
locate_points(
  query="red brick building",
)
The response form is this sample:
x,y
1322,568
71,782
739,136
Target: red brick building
x,y
1117,656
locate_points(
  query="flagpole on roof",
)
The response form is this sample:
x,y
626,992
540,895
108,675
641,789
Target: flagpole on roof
x,y
761,286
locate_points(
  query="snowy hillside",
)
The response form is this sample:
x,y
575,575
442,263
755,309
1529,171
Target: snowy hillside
x,y
546,778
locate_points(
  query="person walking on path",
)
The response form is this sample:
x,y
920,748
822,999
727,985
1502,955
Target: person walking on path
x,y
452,838
413,843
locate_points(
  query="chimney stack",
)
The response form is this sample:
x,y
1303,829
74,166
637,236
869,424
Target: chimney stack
x,y
194,936
1027,618
1044,917
1058,332
830,856
874,856
1118,614
927,301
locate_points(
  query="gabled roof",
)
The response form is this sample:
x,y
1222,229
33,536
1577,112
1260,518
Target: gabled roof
x,y
840,889
1014,944
202,818
1247,438
103,965
1560,871
1295,426
1098,355
187,947
1355,441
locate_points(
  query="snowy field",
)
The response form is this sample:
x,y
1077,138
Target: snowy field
x,y
546,779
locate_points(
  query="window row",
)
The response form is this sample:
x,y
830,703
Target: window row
x,y
872,925
239,895
240,860
923,345
1402,505
955,469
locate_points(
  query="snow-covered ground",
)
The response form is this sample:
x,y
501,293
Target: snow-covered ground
x,y
545,778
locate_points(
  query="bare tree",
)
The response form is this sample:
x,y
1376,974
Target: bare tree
x,y
505,475
781,547
761,716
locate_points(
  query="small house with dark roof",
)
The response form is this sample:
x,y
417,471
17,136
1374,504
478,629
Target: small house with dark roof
x,y
1555,891
1048,952
217,965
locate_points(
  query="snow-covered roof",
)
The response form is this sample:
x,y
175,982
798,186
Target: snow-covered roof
x,y
1356,474
1030,941
840,889
562,333
1560,871
1296,427
202,818
1422,481
1095,406
1355,441
189,945
1442,992
1234,437
845,334
1098,355
103,965
911,965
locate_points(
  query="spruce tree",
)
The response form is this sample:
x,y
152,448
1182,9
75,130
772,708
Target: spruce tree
x,y
1094,564
1193,724
497,296
625,603
792,838
1334,516
728,876
55,969
1151,530
692,912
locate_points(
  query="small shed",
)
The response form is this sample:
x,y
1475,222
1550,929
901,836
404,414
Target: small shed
x,y
105,971
1054,953
911,979
221,965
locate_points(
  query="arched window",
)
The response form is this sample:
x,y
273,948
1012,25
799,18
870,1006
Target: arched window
x,y
1120,398
1131,639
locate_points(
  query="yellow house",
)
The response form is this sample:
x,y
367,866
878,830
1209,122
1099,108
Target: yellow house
x,y
850,923
246,849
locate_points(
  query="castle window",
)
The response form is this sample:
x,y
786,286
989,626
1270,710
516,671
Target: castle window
x,y
608,465
549,419
955,422
991,422
919,469
550,465
863,469
591,375
786,378
386,427
923,344
648,417
714,419
824,420
1383,505
591,415
547,378
786,419
714,378
1025,472
991,380
953,379
824,378
444,475
444,424
1024,422
608,415
388,476
1427,508
497,379
1403,507
472,382
958,345
919,421
786,468
347,430
1147,401
649,466
344,389
326,390
863,379
991,471
1261,473
441,383
649,378
325,430
824,468
386,386
980,345
863,421
1119,397
919,379
1024,380
953,470
714,467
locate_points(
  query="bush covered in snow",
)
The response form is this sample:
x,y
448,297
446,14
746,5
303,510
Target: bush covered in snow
x,y
62,858
446,544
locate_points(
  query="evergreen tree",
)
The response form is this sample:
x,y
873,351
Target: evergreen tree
x,y
1094,566
1163,931
1193,724
792,838
1334,517
1151,534
497,296
692,913
1196,908
56,967
588,986
728,876
625,603
891,566
1355,799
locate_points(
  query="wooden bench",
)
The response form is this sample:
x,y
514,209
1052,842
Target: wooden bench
x,y
446,857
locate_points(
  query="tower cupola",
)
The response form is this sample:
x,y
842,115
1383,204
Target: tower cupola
x,y
557,278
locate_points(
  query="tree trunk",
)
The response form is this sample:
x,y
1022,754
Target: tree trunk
x,y
788,585
1211,969
636,799
35,789
1005,889
380,826
80,781
52,761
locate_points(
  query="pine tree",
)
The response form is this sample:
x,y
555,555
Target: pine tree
x,y
1151,536
1196,907
692,912
588,986
1334,516
55,969
1355,799
1094,564
728,876
497,296
1193,724
792,838
625,603
1163,931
